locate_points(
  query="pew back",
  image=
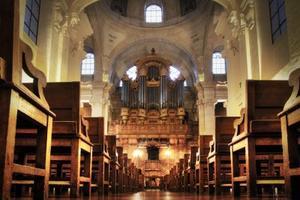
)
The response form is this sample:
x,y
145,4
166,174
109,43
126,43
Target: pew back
x,y
265,99
64,100
224,133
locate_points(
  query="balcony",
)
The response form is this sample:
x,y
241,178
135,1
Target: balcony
x,y
148,129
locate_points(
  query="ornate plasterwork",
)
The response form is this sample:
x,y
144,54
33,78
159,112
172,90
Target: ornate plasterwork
x,y
64,19
234,22
242,19
248,14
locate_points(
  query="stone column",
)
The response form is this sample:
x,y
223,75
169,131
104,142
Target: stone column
x,y
206,108
106,105
100,101
248,29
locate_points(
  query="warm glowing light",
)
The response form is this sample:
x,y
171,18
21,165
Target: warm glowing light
x,y
168,153
137,153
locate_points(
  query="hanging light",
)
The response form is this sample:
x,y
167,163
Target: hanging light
x,y
137,153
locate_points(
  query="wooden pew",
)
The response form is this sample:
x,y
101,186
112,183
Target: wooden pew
x,y
20,104
290,127
201,163
140,180
126,173
121,174
257,132
70,145
114,164
192,165
180,175
130,176
173,179
101,158
70,137
219,172
133,174
186,173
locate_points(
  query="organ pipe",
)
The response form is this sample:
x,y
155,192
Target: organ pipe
x,y
180,90
153,89
125,92
142,88
164,89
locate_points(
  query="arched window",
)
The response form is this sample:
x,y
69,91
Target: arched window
x,y
88,64
153,14
185,84
218,64
174,73
132,73
121,83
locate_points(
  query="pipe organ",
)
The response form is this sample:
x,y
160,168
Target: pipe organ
x,y
153,114
152,97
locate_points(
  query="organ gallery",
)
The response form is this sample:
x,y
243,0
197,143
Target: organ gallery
x,y
164,99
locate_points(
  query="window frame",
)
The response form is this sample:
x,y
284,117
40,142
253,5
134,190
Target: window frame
x,y
90,69
146,12
33,35
276,33
174,70
216,70
129,72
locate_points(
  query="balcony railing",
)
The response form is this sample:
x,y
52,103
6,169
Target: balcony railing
x,y
166,129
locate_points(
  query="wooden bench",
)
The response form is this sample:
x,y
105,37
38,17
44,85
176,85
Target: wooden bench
x,y
132,177
201,163
126,173
173,179
180,175
192,166
186,173
121,174
19,104
219,171
258,132
101,158
290,127
70,136
141,180
71,149
114,164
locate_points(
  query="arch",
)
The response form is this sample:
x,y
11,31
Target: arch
x,y
224,3
129,56
78,5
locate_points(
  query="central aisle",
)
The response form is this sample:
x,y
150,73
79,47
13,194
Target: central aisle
x,y
165,195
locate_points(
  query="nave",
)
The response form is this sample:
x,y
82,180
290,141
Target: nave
x,y
184,99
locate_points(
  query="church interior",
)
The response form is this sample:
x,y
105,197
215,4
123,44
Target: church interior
x,y
176,98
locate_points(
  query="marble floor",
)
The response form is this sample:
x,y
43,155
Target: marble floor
x,y
163,195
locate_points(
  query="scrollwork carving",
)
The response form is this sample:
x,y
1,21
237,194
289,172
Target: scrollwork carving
x,y
39,78
294,81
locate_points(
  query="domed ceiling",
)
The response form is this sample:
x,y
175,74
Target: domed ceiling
x,y
121,34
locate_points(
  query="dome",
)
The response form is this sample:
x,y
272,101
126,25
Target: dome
x,y
169,10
